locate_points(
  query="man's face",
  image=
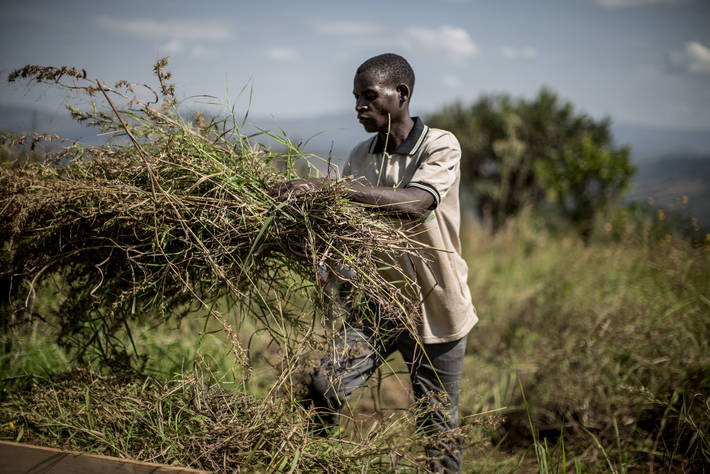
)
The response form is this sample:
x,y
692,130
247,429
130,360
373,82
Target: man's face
x,y
374,99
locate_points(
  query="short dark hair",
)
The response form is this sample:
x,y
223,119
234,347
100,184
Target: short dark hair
x,y
393,67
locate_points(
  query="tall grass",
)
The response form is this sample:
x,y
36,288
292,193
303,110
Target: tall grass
x,y
609,339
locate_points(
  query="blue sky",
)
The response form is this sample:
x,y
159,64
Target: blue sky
x,y
640,61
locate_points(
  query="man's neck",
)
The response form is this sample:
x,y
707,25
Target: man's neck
x,y
399,131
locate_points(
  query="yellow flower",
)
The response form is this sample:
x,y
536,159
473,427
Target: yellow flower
x,y
661,215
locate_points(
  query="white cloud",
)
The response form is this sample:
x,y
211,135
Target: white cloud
x,y
695,58
525,52
172,47
698,57
283,54
633,3
451,81
207,30
446,38
178,36
199,51
176,46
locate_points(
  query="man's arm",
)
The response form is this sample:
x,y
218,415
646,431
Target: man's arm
x,y
411,203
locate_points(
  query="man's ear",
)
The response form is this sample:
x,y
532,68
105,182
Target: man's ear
x,y
404,93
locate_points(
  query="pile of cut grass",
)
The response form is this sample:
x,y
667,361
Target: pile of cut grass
x,y
193,421
170,220
196,408
177,219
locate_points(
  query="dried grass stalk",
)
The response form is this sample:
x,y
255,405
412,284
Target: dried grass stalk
x,y
192,421
177,220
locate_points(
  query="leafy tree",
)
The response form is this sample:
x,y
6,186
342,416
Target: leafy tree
x,y
517,152
583,177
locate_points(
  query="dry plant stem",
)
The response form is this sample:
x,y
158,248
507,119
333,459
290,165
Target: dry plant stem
x,y
211,231
181,222
238,350
149,170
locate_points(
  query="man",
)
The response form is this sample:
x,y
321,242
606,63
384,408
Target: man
x,y
411,170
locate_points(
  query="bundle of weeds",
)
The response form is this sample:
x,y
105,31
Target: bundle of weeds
x,y
192,421
177,219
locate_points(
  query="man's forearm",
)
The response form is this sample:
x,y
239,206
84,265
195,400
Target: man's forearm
x,y
409,202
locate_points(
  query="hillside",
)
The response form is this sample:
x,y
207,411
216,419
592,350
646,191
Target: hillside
x,y
668,179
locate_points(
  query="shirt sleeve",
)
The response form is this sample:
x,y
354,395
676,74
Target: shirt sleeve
x,y
438,167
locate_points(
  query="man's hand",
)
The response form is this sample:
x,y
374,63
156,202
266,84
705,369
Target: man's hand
x,y
296,188
410,203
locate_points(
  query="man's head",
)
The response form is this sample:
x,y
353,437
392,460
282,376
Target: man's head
x,y
383,86
391,69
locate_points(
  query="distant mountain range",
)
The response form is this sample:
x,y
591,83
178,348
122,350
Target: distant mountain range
x,y
671,163
677,182
341,132
655,142
24,120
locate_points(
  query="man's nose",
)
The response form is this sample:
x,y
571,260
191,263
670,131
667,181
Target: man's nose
x,y
360,104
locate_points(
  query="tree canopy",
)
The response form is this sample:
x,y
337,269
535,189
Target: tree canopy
x,y
517,152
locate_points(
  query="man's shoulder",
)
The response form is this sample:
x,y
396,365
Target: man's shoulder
x,y
438,137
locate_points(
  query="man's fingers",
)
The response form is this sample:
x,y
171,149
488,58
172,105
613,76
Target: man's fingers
x,y
291,189
298,190
295,188
277,190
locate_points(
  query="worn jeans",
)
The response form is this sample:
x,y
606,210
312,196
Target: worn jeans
x,y
435,371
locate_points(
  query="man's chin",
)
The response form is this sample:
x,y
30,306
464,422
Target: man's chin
x,y
369,127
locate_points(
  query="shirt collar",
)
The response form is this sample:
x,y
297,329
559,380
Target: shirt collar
x,y
409,146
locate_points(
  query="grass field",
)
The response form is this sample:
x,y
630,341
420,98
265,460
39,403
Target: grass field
x,y
588,357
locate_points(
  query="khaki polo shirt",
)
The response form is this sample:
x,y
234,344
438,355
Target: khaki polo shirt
x,y
429,159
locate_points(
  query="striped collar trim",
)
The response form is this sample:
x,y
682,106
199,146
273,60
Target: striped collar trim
x,y
410,146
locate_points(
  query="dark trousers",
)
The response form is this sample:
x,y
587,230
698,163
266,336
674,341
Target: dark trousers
x,y
435,371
